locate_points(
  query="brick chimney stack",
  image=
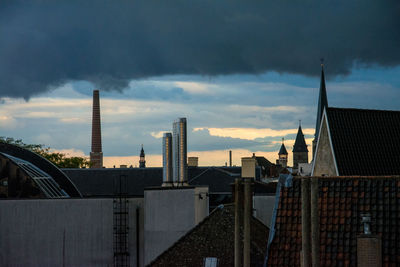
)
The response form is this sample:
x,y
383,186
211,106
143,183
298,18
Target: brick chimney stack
x,y
96,155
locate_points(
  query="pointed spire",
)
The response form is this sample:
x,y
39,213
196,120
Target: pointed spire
x,y
142,161
322,100
283,150
300,143
142,152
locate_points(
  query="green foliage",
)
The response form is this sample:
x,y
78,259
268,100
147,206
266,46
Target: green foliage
x,y
59,159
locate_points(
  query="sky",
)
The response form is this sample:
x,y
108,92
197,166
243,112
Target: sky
x,y
243,75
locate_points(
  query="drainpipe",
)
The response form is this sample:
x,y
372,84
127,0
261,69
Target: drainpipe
x,y
248,207
305,223
238,221
315,235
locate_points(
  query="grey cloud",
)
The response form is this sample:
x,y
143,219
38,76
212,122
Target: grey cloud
x,y
109,43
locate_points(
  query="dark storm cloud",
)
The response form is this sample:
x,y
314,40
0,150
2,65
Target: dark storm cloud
x,y
46,43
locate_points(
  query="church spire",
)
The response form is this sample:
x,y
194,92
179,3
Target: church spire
x,y
283,155
300,143
142,161
300,150
322,100
283,150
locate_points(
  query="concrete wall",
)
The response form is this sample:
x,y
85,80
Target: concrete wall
x,y
263,208
169,214
324,162
62,232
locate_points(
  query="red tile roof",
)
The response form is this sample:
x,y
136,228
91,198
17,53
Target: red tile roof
x,y
342,200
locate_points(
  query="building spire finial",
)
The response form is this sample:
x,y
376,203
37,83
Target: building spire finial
x,y
322,62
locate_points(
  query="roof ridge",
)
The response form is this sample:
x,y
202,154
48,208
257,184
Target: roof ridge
x,y
363,109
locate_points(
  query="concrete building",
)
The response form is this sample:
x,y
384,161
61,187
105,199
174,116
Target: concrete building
x,y
66,232
96,154
125,216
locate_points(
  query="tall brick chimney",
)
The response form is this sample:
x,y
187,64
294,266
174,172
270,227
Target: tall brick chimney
x,y
96,155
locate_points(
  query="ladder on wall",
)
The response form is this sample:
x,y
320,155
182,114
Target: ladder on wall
x,y
121,222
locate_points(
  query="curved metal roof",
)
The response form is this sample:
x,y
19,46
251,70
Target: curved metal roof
x,y
39,167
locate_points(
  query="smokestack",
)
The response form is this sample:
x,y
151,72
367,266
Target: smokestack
x,y
96,155
179,151
167,160
182,152
175,152
230,158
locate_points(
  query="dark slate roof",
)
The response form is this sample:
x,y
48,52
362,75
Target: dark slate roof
x,y
214,237
342,200
283,150
300,143
100,182
43,164
322,102
365,142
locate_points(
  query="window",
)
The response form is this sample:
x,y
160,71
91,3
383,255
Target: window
x,y
210,262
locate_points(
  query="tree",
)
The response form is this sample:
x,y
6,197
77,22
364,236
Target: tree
x,y
61,160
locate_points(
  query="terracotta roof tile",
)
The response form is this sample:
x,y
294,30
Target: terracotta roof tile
x,y
342,200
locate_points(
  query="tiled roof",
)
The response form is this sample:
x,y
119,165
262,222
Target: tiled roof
x,y
214,237
365,142
300,142
342,200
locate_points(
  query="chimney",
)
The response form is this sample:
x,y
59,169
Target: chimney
x,y
248,176
96,155
369,246
230,158
193,161
179,151
248,167
167,160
